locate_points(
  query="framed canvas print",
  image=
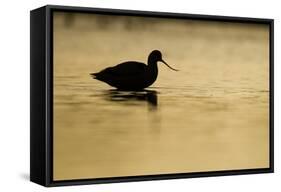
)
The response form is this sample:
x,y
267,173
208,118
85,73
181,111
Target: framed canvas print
x,y
119,95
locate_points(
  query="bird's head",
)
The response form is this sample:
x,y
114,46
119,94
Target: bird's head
x,y
155,56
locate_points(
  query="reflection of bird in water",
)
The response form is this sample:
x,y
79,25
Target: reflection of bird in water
x,y
123,96
132,75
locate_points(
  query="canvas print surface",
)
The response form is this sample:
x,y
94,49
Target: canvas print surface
x,y
200,103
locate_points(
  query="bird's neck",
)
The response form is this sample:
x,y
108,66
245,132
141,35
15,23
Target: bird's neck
x,y
152,71
152,63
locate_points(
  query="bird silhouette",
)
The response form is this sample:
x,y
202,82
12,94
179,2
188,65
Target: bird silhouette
x,y
132,75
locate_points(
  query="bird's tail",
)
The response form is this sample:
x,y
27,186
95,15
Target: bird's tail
x,y
94,75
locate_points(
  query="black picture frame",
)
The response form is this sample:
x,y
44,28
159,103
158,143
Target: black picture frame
x,y
41,95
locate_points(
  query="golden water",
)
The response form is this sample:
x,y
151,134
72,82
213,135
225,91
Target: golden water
x,y
211,115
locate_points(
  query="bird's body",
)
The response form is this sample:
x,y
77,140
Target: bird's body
x,y
131,75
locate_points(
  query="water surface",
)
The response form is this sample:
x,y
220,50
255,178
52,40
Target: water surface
x,y
211,115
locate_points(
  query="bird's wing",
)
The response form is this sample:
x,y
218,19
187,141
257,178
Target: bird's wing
x,y
127,68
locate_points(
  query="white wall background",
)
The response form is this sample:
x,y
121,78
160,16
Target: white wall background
x,y
14,94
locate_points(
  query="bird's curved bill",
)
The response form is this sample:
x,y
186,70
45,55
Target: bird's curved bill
x,y
168,65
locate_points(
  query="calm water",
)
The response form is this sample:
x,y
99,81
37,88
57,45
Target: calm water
x,y
211,115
